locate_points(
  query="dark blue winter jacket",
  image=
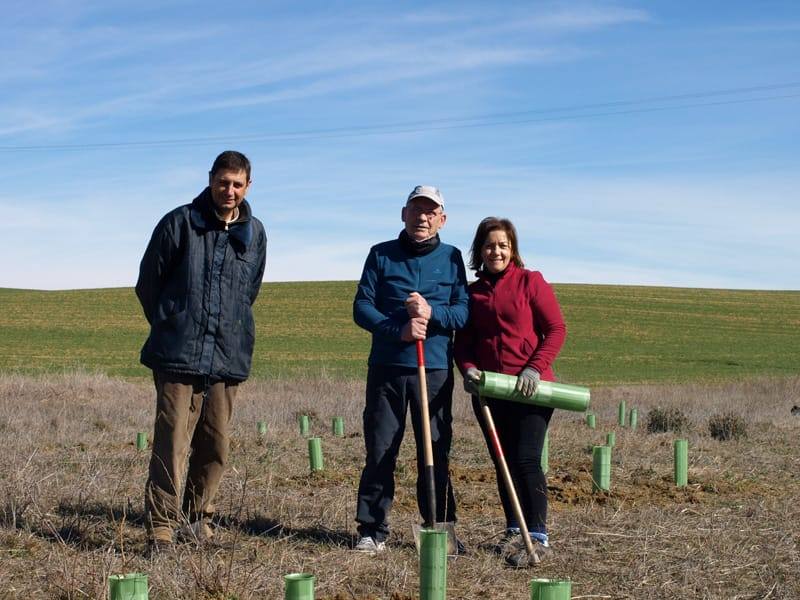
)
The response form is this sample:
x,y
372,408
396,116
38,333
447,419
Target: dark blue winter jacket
x,y
390,274
197,283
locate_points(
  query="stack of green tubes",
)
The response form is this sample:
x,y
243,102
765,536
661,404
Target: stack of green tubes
x,y
601,468
132,586
554,395
551,589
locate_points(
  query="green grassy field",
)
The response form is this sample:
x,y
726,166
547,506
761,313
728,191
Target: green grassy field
x,y
616,334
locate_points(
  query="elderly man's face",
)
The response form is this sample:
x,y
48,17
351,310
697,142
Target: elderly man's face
x,y
228,189
423,218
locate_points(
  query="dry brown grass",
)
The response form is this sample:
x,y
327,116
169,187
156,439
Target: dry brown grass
x,y
72,481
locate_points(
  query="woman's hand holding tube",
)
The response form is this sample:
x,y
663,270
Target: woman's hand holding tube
x,y
472,378
528,382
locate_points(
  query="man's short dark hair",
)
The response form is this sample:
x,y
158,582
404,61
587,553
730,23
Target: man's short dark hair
x,y
231,160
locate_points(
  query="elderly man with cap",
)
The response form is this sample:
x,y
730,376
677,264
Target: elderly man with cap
x,y
412,288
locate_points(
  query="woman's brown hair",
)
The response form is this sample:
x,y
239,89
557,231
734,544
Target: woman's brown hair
x,y
485,227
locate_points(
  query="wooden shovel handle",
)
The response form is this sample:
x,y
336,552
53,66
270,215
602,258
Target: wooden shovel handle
x,y
430,481
509,483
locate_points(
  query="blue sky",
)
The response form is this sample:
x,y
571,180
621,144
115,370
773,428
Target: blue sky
x,y
653,143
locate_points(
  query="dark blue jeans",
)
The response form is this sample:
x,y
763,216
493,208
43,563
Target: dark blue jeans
x,y
390,391
521,429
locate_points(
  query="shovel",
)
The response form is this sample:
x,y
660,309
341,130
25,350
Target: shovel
x,y
517,559
430,481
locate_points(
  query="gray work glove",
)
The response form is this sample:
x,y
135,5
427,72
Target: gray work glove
x,y
528,382
471,379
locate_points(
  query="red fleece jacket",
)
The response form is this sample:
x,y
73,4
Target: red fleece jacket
x,y
514,322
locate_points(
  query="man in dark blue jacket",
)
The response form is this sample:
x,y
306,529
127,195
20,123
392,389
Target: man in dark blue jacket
x,y
198,280
412,288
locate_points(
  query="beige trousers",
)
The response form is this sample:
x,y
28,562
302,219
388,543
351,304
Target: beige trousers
x,y
192,419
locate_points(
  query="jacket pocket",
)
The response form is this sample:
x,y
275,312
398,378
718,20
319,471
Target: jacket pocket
x,y
170,337
245,265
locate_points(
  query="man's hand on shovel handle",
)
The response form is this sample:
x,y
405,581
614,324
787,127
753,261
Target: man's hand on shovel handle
x,y
415,329
417,306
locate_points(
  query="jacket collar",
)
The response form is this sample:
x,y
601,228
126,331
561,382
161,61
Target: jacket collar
x,y
492,278
202,215
415,248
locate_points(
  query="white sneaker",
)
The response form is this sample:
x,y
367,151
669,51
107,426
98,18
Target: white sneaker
x,y
368,545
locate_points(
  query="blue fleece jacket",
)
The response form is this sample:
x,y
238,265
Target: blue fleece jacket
x,y
390,275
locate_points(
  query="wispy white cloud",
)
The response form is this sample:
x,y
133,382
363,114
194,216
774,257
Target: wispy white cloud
x,y
553,18
409,67
582,17
147,70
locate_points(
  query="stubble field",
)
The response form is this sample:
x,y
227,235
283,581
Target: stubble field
x,y
72,498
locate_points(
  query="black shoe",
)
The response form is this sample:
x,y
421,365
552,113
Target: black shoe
x,y
461,549
509,539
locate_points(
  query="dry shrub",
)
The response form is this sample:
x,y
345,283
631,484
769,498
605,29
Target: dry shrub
x,y
728,426
660,420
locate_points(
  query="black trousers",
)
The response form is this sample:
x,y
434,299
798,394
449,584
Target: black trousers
x,y
390,391
521,429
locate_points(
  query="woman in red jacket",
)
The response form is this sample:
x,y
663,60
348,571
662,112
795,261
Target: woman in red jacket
x,y
515,327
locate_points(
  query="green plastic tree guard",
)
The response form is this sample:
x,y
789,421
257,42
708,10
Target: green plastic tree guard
x,y
633,418
611,439
591,420
132,586
681,448
545,462
433,564
141,441
601,468
621,413
261,427
555,395
338,426
303,424
315,453
298,586
551,589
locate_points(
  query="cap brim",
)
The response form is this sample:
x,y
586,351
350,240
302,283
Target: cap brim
x,y
439,202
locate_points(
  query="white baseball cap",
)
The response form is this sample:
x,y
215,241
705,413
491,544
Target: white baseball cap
x,y
426,191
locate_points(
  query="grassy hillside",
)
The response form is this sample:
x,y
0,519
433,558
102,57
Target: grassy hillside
x,y
616,334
